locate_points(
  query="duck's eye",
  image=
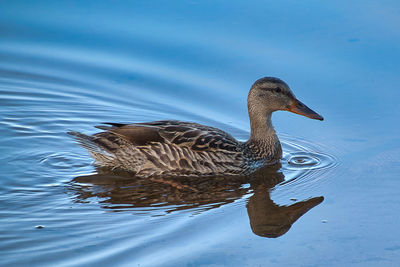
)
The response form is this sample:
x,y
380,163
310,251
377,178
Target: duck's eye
x,y
277,89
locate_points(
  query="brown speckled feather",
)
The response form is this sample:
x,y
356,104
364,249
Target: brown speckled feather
x,y
169,148
193,135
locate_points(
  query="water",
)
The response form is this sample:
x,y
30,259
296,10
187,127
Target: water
x,y
71,65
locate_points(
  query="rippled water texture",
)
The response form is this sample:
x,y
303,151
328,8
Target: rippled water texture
x,y
71,65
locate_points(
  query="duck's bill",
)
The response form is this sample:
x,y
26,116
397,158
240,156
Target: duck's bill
x,y
301,109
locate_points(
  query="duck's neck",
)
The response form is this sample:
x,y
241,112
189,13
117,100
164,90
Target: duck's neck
x,y
261,127
263,141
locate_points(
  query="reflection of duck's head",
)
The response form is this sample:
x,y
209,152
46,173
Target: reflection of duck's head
x,y
270,94
268,219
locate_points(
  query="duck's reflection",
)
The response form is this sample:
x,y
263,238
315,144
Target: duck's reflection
x,y
121,191
268,219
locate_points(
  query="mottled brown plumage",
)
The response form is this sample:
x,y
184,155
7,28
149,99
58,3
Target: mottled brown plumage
x,y
176,148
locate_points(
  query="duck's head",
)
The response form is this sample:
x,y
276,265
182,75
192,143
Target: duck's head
x,y
269,94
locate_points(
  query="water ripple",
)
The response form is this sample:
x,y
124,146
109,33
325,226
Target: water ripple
x,y
306,167
303,155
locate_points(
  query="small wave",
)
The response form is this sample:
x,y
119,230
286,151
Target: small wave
x,y
303,155
305,166
64,160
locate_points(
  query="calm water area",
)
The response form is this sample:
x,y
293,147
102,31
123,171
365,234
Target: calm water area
x,y
70,65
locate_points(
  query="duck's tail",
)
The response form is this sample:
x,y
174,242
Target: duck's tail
x,y
94,146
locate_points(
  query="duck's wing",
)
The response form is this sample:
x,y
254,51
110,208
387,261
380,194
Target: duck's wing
x,y
193,135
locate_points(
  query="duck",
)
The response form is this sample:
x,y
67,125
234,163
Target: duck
x,y
176,148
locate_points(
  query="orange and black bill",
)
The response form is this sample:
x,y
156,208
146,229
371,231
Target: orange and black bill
x,y
299,108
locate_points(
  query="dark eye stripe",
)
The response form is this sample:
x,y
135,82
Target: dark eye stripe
x,y
275,90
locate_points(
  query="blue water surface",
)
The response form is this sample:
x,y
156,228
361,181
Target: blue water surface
x,y
71,65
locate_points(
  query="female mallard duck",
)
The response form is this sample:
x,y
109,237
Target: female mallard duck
x,y
176,148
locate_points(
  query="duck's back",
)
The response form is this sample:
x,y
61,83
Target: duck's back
x,y
166,148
